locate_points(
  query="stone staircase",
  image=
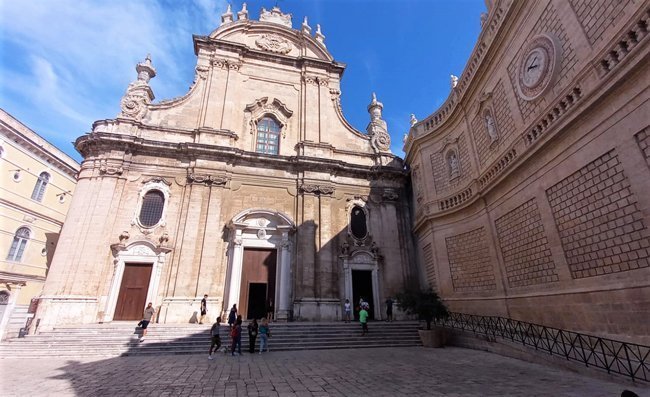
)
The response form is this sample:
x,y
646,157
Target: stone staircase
x,y
121,339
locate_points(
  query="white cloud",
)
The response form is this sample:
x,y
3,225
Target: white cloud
x,y
78,57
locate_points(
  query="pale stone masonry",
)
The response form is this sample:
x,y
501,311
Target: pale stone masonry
x,y
550,220
257,176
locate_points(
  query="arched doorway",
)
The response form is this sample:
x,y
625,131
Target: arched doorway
x,y
259,263
136,278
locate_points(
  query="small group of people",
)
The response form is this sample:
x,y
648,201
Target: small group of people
x,y
363,311
235,332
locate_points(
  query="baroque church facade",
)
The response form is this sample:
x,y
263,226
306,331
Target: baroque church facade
x,y
250,188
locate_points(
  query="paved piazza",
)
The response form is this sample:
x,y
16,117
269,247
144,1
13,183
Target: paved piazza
x,y
378,372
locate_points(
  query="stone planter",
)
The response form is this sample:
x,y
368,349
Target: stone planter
x,y
435,337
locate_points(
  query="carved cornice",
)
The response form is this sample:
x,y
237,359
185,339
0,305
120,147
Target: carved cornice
x,y
316,189
212,180
223,63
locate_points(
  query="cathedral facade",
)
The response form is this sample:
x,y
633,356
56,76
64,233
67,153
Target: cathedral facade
x,y
252,188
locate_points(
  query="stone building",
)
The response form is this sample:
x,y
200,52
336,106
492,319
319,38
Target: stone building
x,y
37,184
251,187
532,181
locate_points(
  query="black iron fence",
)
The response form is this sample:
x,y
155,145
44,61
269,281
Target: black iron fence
x,y
627,359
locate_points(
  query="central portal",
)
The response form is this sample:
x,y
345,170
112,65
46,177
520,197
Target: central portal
x,y
362,288
257,282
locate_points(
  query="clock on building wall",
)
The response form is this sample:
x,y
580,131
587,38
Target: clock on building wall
x,y
539,66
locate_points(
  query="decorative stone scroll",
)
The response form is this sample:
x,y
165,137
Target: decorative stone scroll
x,y
317,189
274,43
377,129
138,95
207,179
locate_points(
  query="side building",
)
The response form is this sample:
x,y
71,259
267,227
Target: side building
x,y
532,181
36,187
252,188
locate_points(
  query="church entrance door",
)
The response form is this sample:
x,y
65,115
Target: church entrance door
x,y
362,288
257,281
133,291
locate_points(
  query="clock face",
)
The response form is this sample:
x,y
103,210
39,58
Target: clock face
x,y
538,67
534,67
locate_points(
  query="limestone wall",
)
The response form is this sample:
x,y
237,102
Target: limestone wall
x,y
546,217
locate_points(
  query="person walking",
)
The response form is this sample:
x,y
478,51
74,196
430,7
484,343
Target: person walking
x,y
389,309
232,317
348,310
204,308
215,337
236,337
252,335
265,334
149,311
363,319
270,310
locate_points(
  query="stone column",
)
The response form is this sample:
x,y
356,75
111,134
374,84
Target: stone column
x,y
284,307
235,271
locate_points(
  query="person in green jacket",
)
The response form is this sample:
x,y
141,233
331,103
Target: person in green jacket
x,y
363,319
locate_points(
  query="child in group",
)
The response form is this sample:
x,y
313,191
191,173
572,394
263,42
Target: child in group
x,y
216,338
265,334
363,319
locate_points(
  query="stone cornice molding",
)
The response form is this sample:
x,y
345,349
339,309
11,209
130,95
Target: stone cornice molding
x,y
316,189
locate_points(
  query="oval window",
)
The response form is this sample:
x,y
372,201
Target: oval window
x,y
151,211
358,222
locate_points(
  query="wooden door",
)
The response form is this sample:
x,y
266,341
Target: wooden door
x,y
258,267
133,291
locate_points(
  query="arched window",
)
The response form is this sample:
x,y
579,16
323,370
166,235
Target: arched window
x,y
268,136
18,245
39,188
358,223
151,211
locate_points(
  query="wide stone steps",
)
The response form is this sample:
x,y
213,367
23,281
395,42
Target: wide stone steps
x,y
116,339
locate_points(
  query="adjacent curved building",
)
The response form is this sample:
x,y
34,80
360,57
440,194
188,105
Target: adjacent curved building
x,y
252,188
532,181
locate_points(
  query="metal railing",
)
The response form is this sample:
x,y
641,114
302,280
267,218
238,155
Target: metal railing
x,y
627,359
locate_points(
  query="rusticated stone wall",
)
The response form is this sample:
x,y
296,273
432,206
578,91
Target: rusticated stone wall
x,y
598,219
524,246
469,262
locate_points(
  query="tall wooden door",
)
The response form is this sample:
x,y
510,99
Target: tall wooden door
x,y
258,268
133,291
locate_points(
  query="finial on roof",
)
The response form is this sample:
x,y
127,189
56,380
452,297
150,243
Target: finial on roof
x,y
276,16
145,69
413,120
320,37
243,14
375,104
227,16
306,29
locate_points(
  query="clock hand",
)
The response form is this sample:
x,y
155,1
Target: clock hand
x,y
531,67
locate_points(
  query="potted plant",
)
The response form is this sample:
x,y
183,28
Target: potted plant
x,y
428,306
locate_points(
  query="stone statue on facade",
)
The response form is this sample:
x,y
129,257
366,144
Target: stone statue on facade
x,y
491,128
138,95
377,129
453,165
413,120
453,81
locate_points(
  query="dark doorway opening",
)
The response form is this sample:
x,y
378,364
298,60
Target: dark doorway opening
x,y
133,291
362,288
256,301
259,267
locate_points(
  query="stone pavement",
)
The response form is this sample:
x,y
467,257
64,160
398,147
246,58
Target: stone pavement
x,y
413,371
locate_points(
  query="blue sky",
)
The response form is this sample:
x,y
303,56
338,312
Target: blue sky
x,y
67,63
